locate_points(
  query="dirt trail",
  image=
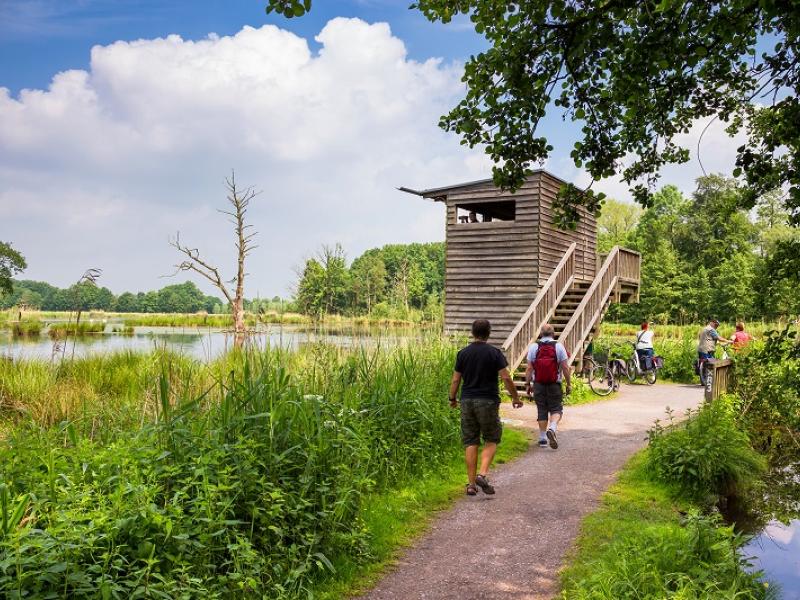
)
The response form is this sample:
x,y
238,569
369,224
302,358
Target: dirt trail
x,y
512,545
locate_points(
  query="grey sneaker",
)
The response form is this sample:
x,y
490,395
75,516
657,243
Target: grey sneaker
x,y
551,437
542,443
484,484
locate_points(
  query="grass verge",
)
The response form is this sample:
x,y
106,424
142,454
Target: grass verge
x,y
396,518
647,541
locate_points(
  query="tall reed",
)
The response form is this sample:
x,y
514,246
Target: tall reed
x,y
243,478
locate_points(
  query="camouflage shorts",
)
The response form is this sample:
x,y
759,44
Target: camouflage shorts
x,y
480,417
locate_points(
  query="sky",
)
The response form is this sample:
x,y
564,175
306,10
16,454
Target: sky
x,y
120,120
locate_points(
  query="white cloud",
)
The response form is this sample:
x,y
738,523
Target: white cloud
x,y
99,169
717,154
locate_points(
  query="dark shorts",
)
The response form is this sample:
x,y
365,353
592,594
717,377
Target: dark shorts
x,y
480,417
549,399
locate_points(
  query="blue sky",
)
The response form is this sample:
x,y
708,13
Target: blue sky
x,y
38,38
119,121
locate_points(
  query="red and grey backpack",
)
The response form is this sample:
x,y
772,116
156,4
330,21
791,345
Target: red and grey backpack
x,y
545,365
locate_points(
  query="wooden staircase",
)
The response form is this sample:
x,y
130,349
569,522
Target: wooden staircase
x,y
574,307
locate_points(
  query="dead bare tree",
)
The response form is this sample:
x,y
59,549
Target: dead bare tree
x,y
239,201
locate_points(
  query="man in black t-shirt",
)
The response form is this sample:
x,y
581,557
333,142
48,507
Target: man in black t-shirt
x,y
477,368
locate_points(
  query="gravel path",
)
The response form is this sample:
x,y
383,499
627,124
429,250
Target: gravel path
x,y
512,545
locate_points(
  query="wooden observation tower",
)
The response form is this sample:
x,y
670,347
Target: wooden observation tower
x,y
507,261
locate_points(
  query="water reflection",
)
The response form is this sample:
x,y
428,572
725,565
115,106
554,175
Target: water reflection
x,y
774,518
776,551
201,343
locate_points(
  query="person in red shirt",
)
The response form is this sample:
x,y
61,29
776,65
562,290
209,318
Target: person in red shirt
x,y
741,338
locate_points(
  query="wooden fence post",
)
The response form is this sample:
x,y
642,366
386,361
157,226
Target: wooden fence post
x,y
719,378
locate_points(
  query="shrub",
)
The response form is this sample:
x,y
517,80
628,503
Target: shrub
x,y
707,455
767,387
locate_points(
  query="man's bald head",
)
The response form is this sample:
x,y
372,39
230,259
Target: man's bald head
x,y
547,331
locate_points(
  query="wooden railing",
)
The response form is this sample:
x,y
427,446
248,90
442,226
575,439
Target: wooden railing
x,y
541,310
719,376
621,265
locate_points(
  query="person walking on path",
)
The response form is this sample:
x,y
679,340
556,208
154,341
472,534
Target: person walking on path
x,y
548,364
477,368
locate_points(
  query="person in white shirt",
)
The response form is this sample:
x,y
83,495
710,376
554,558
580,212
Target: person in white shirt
x,y
644,343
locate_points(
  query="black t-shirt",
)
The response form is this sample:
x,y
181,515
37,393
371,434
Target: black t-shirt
x,y
479,364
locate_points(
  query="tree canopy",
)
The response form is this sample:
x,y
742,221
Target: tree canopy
x,y
704,255
636,74
11,263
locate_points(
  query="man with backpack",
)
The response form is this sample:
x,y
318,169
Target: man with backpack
x,y
548,364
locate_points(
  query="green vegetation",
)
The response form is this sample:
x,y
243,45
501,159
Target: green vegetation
x,y
11,263
705,256
645,541
767,389
181,298
29,327
259,474
62,330
397,281
705,455
635,76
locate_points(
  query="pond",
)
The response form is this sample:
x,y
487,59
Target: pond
x,y
773,518
198,342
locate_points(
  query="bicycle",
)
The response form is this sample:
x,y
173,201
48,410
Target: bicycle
x,y
704,368
600,374
633,367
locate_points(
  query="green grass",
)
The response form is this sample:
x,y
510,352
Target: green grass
x,y
25,328
157,475
62,330
395,519
647,542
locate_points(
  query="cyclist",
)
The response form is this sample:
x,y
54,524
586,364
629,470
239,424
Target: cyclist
x,y
644,346
707,341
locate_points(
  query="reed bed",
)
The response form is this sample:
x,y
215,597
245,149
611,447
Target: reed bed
x,y
26,328
164,477
62,330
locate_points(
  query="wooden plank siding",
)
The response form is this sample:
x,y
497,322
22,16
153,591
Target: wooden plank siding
x,y
494,270
491,267
553,242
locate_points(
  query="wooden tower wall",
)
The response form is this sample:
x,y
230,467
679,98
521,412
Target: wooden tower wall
x,y
491,268
494,270
553,242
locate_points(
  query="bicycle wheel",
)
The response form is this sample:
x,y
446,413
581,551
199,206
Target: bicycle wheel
x,y
630,368
601,380
651,376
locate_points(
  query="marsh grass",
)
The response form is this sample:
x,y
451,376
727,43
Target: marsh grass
x,y
26,328
252,476
62,330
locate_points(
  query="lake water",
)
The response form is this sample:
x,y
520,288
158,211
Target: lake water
x,y
776,551
774,518
200,343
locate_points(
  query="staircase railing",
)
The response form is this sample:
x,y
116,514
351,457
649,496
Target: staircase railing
x,y
541,309
621,265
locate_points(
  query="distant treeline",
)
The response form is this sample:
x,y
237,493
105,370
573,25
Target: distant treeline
x,y
177,298
394,281
703,256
